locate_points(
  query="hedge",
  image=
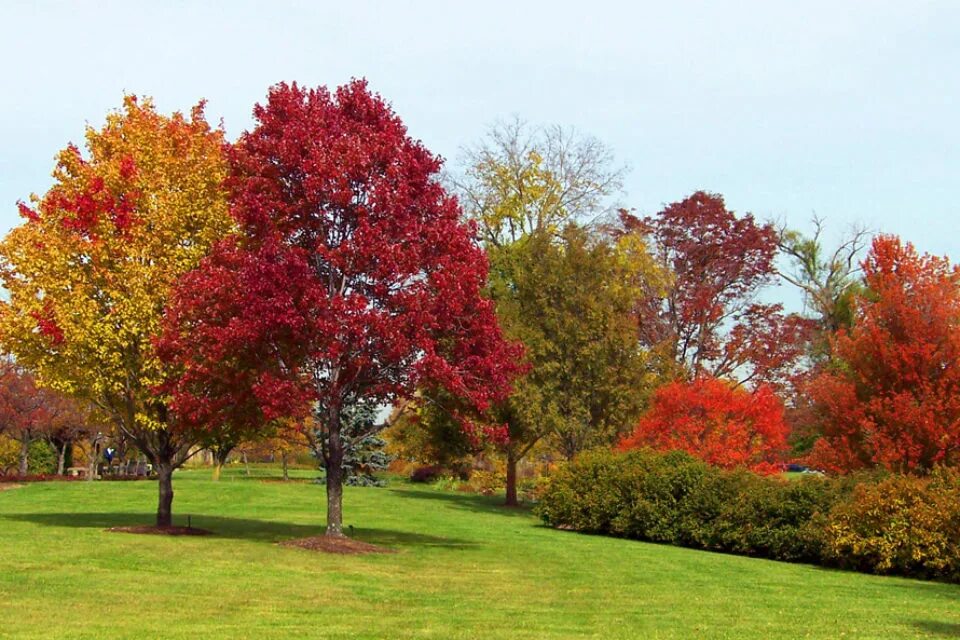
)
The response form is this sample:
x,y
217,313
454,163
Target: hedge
x,y
902,525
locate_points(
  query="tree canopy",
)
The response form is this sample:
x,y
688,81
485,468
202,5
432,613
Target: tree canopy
x,y
892,395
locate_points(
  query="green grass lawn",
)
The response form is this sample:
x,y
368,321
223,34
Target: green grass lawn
x,y
464,568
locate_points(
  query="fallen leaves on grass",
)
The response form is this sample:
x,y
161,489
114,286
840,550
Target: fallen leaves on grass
x,y
335,544
161,531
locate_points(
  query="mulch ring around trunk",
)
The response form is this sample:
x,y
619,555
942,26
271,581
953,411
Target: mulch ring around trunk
x,y
335,544
161,531
5,486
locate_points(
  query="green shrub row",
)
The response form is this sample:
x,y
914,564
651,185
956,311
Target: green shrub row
x,y
903,525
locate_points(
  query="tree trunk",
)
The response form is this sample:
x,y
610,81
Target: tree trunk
x,y
165,505
94,457
334,477
167,453
286,471
61,458
511,500
220,456
24,456
246,464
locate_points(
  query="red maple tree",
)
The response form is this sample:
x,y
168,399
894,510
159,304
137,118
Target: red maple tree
x,y
892,395
709,319
29,413
716,421
23,410
353,279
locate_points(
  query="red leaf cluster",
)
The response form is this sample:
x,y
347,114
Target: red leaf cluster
x,y
28,411
84,211
47,325
717,258
709,319
893,397
23,406
717,422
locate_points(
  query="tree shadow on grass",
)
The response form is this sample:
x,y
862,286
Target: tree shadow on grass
x,y
242,528
468,501
934,627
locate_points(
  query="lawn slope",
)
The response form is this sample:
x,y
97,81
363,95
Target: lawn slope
x,y
465,568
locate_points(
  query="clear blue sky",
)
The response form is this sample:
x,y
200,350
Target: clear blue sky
x,y
848,109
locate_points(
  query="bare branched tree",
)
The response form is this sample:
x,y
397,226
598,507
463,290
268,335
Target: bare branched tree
x,y
827,279
523,179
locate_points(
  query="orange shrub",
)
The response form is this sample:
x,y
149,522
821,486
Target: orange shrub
x,y
711,419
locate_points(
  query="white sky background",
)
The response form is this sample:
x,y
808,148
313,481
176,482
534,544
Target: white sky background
x,y
847,109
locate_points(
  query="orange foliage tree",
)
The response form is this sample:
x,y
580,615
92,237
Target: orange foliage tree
x,y
714,420
892,395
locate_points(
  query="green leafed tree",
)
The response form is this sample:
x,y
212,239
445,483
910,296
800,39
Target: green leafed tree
x,y
562,287
364,451
571,301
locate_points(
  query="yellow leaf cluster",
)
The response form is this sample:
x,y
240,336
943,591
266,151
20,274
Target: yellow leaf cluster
x,y
519,198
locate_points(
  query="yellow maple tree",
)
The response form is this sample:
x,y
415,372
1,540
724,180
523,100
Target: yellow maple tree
x,y
90,270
